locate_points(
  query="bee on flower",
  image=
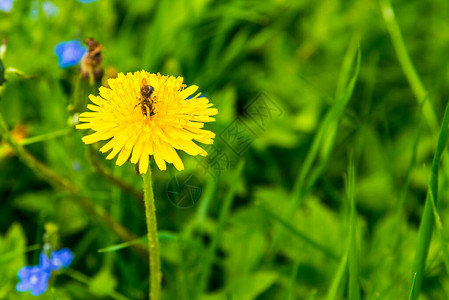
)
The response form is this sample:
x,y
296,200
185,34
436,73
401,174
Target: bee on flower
x,y
143,115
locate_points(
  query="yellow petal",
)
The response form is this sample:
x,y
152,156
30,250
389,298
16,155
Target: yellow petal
x,y
117,148
93,107
188,91
88,114
143,163
137,151
83,126
159,160
96,100
93,138
123,156
177,162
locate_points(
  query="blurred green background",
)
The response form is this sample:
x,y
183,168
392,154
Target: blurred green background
x,y
268,214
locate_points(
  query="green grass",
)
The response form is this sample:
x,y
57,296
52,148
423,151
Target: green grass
x,y
428,218
336,196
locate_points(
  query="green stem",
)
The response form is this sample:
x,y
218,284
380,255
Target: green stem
x,y
353,263
40,138
153,241
407,65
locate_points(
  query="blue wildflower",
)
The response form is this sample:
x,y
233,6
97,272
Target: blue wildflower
x,y
76,166
33,279
34,10
58,260
69,53
50,9
6,5
86,1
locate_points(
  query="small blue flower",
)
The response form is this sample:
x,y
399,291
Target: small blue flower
x,y
69,53
33,279
76,166
6,5
58,260
86,1
50,9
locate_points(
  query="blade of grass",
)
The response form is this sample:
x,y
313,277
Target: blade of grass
x,y
353,262
426,227
440,232
371,71
141,240
338,278
345,71
404,192
120,246
291,286
205,202
327,125
223,216
155,36
407,65
331,117
412,290
399,212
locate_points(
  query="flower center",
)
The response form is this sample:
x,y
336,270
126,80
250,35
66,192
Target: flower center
x,y
57,262
33,279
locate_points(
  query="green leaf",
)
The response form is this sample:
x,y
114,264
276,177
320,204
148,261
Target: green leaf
x,y
13,241
250,286
103,283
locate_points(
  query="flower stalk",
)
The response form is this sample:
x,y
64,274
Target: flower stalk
x,y
153,241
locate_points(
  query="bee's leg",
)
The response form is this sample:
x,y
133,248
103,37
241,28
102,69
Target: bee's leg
x,y
143,109
138,103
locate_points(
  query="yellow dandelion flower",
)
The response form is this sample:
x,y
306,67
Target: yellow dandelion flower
x,y
143,115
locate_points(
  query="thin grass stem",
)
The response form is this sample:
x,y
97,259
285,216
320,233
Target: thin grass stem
x,y
426,226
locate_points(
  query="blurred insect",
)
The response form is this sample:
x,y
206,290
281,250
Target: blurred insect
x,y
146,99
92,61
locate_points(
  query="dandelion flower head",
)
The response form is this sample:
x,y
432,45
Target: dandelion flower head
x,y
143,115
